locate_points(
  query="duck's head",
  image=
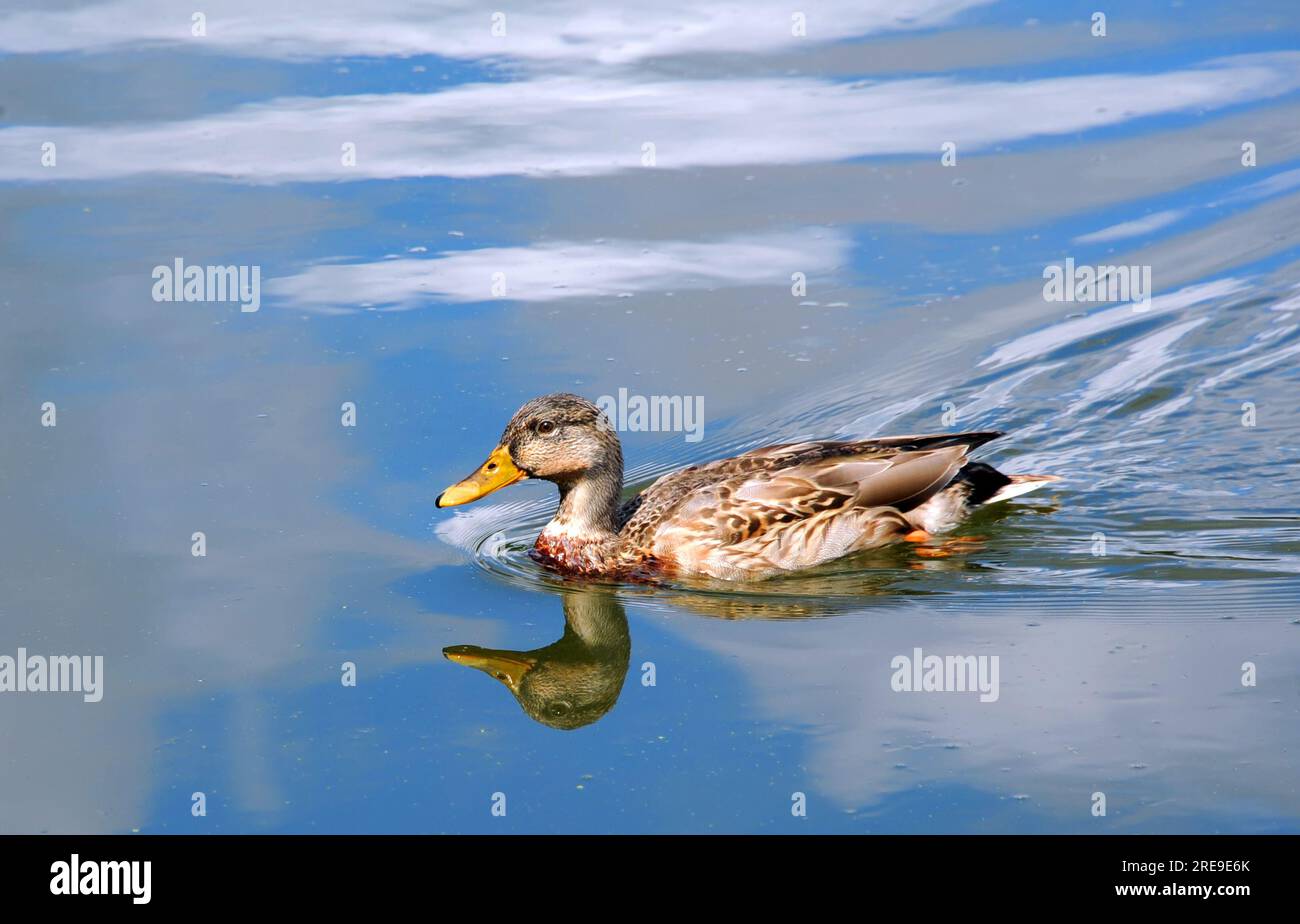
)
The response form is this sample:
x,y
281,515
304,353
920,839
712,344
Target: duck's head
x,y
561,438
576,679
564,690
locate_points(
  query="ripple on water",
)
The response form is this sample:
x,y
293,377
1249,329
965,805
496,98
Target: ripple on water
x,y
1165,486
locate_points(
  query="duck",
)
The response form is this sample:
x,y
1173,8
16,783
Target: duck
x,y
767,512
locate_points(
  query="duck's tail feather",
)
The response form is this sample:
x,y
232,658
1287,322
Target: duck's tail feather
x,y
1019,484
984,484
975,485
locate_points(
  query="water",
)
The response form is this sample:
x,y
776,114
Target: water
x,y
1123,603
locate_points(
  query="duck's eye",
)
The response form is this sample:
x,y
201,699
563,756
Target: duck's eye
x,y
546,427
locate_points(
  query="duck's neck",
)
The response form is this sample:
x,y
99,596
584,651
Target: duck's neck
x,y
594,621
589,505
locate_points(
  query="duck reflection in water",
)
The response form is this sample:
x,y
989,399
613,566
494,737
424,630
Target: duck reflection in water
x,y
576,679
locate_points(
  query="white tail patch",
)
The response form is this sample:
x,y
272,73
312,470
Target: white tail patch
x,y
1021,484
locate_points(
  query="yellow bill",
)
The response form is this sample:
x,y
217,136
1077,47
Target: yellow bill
x,y
507,666
498,471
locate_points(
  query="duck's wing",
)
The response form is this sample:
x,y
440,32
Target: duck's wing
x,y
970,440
795,504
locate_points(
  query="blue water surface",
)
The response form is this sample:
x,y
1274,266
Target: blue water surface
x,y
381,164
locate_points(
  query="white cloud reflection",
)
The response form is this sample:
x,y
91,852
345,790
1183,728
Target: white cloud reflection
x,y
565,30
560,270
1154,717
581,127
1135,228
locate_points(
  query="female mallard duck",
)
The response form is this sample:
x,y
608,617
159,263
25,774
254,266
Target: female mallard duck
x,y
758,514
